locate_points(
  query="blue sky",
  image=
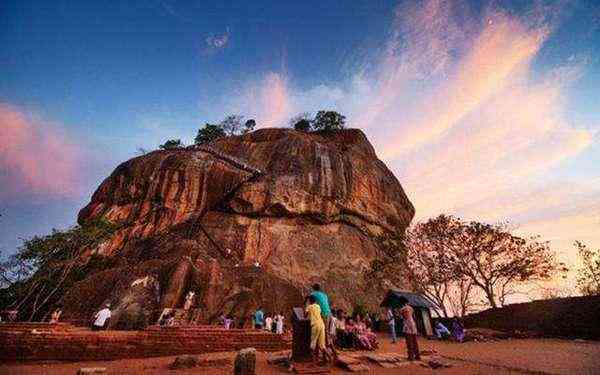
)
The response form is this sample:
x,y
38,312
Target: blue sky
x,y
98,80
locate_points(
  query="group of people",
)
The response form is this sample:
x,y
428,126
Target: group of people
x,y
335,329
262,320
354,332
457,333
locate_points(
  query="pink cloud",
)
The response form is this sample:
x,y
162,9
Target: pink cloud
x,y
36,158
276,106
454,107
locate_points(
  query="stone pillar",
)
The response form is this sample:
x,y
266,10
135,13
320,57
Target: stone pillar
x,y
301,336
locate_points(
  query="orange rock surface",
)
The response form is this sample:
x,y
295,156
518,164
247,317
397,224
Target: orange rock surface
x,y
305,207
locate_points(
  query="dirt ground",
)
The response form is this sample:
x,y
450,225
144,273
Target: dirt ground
x,y
538,356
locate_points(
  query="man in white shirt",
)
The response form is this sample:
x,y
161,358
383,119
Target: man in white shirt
x,y
391,321
101,317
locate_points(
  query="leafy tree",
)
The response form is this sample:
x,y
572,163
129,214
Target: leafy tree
x,y
588,275
172,144
44,266
492,258
432,274
249,126
388,269
303,125
231,125
301,122
209,133
328,121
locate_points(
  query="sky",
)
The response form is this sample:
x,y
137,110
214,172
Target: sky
x,y
486,110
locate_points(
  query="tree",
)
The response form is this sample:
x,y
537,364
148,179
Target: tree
x,y
328,121
388,269
231,125
432,274
588,275
172,144
249,126
303,125
44,266
209,133
492,258
301,122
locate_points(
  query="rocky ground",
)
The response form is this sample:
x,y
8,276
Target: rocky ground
x,y
541,356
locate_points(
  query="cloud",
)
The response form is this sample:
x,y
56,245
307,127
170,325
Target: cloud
x,y
37,159
455,107
215,43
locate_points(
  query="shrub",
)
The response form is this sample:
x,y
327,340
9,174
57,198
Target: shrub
x,y
171,144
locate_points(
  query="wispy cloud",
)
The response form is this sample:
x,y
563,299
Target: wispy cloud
x,y
37,159
216,42
455,108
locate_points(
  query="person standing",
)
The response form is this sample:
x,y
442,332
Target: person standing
x,y
317,329
391,321
279,323
259,318
322,301
410,330
268,323
101,317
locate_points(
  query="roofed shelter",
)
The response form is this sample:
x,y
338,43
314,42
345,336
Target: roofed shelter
x,y
421,304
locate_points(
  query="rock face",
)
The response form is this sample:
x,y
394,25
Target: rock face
x,y
249,220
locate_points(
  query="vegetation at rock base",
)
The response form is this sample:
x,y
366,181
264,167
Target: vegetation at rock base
x,y
588,275
35,278
449,260
171,144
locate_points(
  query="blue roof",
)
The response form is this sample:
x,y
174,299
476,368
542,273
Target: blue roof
x,y
414,299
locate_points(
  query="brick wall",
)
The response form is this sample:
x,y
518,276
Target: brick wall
x,y
43,341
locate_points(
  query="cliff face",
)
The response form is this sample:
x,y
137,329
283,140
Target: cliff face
x,y
304,207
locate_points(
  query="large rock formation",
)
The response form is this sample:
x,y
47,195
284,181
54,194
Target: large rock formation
x,y
303,207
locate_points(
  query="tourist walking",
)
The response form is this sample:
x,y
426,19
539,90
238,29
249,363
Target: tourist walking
x,y
101,318
410,330
391,321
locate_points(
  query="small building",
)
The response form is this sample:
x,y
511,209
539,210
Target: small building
x,y
421,304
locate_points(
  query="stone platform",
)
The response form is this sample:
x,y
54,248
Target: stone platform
x,y
64,342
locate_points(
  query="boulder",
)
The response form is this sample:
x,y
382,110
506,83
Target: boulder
x,y
249,220
245,362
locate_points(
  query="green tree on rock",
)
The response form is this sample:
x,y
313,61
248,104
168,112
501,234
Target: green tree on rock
x,y
171,144
328,121
209,133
